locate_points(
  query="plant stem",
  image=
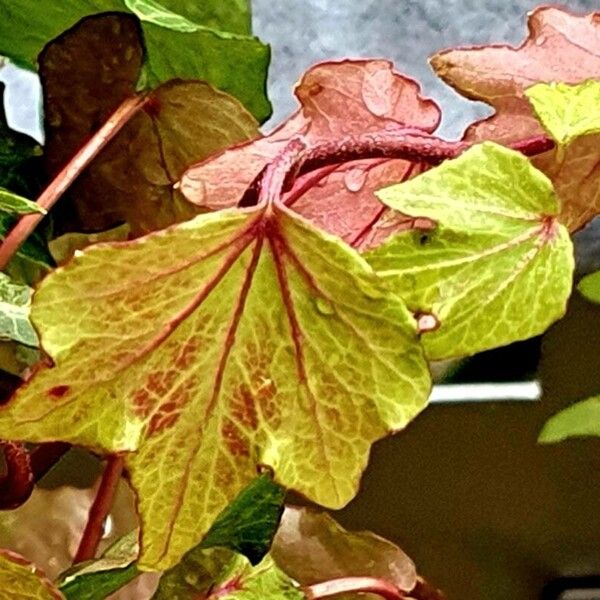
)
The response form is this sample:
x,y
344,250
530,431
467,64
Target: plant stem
x,y
364,585
299,157
100,508
21,231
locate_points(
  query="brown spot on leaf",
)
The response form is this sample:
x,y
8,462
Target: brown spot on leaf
x,y
58,391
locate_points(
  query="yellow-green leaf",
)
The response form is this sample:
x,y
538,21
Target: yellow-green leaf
x,y
239,338
567,111
220,573
498,266
580,419
21,580
589,287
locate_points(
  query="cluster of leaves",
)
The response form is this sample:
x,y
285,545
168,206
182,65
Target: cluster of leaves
x,y
277,302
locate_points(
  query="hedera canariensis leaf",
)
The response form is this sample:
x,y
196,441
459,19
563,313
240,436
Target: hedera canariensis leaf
x,y
571,116
336,99
498,267
311,547
132,179
64,247
567,112
218,573
246,526
15,301
239,338
233,62
20,579
249,523
580,419
560,47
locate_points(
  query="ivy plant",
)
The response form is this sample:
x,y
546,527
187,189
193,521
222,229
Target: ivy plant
x,y
212,302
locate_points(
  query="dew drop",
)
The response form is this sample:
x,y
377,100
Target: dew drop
x,y
324,306
354,179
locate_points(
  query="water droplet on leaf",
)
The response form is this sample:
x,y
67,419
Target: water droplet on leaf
x,y
354,179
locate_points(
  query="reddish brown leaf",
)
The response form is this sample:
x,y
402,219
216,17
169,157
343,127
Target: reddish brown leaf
x,y
337,99
132,179
343,200
560,47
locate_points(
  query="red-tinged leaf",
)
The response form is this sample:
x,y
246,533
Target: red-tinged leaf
x,y
21,579
311,547
337,99
242,337
560,47
342,200
132,179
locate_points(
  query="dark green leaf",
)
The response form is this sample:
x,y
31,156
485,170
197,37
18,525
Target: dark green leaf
x,y
249,523
32,260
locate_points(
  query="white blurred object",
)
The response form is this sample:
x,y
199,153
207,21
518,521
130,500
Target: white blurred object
x,y
22,100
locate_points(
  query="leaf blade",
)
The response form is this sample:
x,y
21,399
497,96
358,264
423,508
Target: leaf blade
x,y
580,419
496,232
288,295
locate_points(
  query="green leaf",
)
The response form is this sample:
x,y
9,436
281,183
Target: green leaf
x,y
15,204
236,339
153,12
20,579
32,260
589,287
567,111
581,419
15,301
497,268
233,62
219,573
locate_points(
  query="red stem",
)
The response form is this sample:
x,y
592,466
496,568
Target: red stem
x,y
21,231
364,585
100,508
299,157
